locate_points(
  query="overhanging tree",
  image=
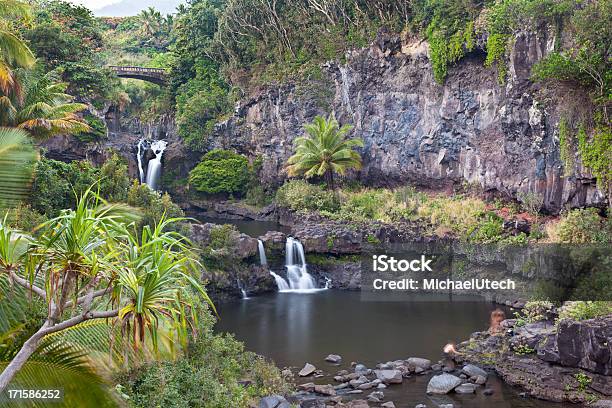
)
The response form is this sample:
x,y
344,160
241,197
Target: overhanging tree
x,y
88,264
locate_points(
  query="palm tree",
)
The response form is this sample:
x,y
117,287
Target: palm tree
x,y
89,266
324,150
46,109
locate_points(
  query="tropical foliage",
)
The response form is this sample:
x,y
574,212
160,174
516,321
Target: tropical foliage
x,y
17,157
221,171
88,264
324,150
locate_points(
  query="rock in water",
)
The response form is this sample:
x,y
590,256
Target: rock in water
x,y
466,389
416,362
326,389
480,380
389,376
333,358
474,371
307,387
274,401
307,370
443,384
388,404
361,369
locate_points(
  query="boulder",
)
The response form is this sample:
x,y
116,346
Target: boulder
x,y
326,389
274,401
389,376
361,369
309,387
274,240
333,358
602,404
586,344
473,371
480,380
388,404
443,384
416,362
329,237
241,245
358,404
307,370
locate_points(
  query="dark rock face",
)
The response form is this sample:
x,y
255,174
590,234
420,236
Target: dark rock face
x,y
560,356
470,129
586,344
243,273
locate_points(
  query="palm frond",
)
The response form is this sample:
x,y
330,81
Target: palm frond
x,y
17,157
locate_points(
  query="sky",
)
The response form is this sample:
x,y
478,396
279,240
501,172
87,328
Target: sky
x,y
120,8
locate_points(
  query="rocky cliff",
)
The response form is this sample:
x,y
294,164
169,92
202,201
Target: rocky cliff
x,y
472,130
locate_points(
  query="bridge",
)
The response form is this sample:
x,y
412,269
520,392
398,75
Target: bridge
x,y
154,75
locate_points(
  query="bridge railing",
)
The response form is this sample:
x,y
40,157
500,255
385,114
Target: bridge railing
x,y
143,70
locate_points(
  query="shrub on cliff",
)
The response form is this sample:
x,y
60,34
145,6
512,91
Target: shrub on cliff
x,y
299,195
582,226
221,171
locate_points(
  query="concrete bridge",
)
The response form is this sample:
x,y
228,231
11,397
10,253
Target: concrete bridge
x,y
154,75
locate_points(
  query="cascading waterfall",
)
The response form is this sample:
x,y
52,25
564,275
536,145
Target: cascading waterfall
x,y
262,253
281,283
295,262
154,167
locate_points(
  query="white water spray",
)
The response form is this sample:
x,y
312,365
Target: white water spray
x,y
262,253
295,262
142,146
281,283
154,167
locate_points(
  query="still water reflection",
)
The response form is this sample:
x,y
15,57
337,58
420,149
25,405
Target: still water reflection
x,y
292,329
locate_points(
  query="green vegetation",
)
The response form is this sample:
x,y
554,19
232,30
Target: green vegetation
x,y
89,257
153,205
221,171
67,39
583,381
534,311
324,150
210,374
57,185
523,350
582,226
299,195
583,310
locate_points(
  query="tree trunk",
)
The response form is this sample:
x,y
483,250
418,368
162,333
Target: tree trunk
x,y
28,348
330,180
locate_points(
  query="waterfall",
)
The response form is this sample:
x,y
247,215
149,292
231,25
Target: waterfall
x,y
298,278
142,147
242,290
154,167
262,253
280,282
295,262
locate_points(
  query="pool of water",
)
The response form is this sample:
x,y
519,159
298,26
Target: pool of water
x,y
292,329
250,227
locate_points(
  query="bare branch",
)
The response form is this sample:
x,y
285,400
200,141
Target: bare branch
x,y
27,285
